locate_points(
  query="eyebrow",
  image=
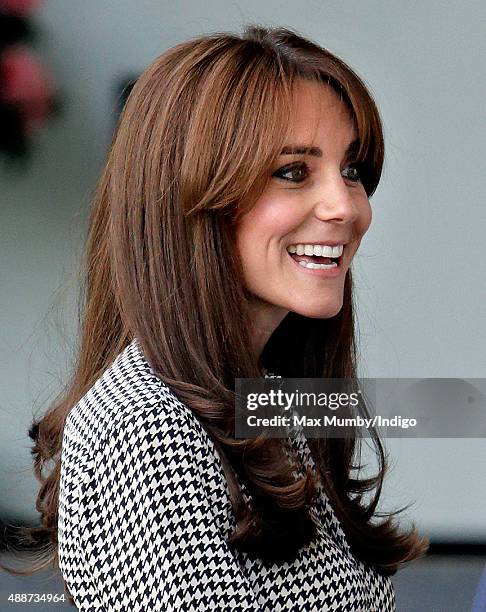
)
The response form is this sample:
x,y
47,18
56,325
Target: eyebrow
x,y
315,151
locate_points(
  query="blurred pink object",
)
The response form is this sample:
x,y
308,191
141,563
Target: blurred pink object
x,y
19,7
26,85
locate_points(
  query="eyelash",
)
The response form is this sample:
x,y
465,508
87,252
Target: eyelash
x,y
300,165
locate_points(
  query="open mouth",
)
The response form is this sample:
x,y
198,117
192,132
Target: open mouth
x,y
317,262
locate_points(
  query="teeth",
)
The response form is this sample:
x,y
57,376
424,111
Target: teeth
x,y
316,266
316,249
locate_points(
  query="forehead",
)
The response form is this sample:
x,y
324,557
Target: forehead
x,y
318,114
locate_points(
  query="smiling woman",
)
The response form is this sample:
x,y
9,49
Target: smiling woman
x,y
235,195
310,209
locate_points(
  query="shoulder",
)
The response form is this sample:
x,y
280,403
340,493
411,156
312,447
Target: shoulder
x,y
130,416
131,433
127,392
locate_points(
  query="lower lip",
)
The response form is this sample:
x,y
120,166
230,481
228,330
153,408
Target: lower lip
x,y
320,273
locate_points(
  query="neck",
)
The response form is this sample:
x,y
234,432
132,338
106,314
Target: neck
x,y
265,320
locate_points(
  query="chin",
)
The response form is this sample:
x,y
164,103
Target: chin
x,y
319,311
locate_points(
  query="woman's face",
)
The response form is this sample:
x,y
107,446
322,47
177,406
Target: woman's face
x,y
313,198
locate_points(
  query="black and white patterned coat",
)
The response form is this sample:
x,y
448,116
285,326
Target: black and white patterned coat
x,y
144,513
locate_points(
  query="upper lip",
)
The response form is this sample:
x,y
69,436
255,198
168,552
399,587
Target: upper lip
x,y
323,242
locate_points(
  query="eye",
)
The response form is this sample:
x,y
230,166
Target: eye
x,y
299,171
353,173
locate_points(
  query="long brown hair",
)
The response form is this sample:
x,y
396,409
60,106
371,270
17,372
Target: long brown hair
x,y
193,149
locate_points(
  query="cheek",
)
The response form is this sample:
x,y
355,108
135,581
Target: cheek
x,y
275,215
270,220
365,217
251,240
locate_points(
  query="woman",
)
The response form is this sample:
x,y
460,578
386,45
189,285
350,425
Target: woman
x,y
234,198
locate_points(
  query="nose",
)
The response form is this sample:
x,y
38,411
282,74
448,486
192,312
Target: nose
x,y
335,202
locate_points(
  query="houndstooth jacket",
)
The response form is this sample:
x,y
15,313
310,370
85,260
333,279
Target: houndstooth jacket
x,y
144,515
